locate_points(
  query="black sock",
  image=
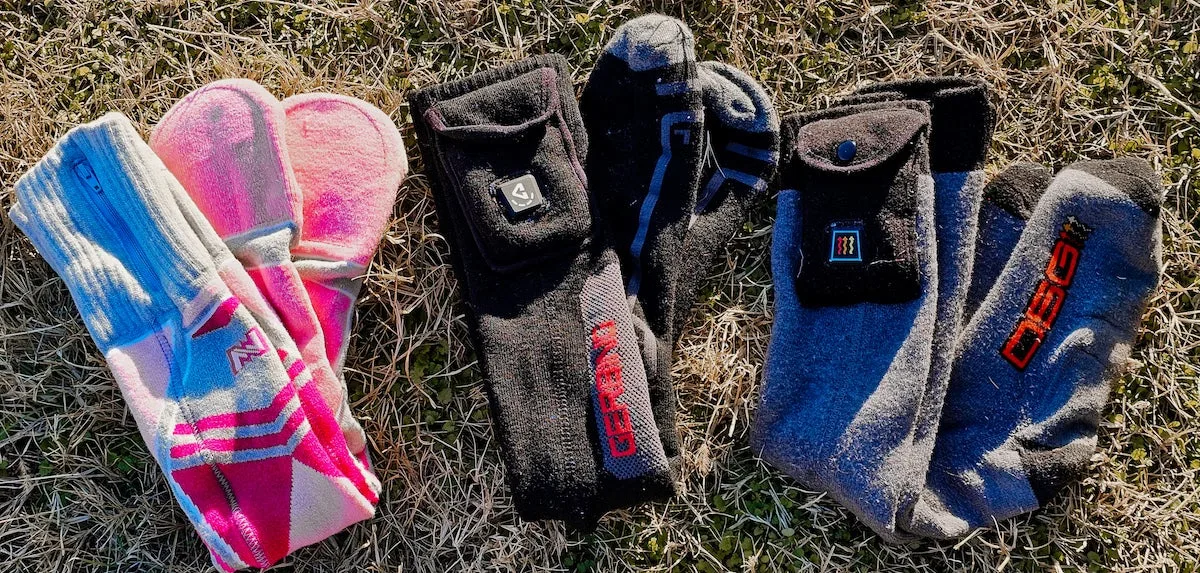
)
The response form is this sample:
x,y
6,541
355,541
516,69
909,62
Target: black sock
x,y
565,380
644,115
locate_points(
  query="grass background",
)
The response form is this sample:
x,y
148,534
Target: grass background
x,y
1074,79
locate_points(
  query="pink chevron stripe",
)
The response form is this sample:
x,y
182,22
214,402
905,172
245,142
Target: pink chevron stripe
x,y
242,444
220,317
295,370
238,419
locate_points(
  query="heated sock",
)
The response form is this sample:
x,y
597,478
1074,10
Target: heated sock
x,y
1008,201
505,151
1034,365
225,143
349,161
960,131
743,150
212,399
855,274
644,114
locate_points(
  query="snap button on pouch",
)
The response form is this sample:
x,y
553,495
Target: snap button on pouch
x,y
846,150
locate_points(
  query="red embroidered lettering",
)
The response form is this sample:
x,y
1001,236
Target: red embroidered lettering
x,y
1048,297
606,364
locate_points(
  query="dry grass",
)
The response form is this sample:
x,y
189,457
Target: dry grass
x,y
1075,79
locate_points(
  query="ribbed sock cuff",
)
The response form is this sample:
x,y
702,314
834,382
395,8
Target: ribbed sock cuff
x,y
98,208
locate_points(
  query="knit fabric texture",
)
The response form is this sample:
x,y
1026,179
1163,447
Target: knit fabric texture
x,y
222,410
226,144
1008,201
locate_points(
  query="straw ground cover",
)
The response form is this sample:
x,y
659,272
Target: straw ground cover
x,y
1074,79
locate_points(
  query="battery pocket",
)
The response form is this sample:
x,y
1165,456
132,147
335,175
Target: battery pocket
x,y
514,167
859,176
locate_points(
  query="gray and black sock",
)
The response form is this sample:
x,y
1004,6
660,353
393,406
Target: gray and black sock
x,y
1035,362
645,118
743,150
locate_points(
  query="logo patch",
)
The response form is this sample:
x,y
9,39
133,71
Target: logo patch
x,y
606,363
845,243
520,195
1049,295
251,347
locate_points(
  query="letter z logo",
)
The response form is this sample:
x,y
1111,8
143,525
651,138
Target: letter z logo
x,y
251,347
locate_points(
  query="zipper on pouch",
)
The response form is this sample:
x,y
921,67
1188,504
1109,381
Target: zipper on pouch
x,y
108,215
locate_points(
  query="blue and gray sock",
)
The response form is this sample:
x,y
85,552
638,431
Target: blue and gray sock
x,y
856,286
1034,364
962,120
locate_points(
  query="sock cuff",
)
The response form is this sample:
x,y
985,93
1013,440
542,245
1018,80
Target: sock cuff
x,y
1017,189
962,117
96,207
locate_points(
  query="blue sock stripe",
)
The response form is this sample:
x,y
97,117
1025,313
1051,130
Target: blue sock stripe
x,y
660,168
753,152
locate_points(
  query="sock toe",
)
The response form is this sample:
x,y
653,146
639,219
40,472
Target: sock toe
x,y
1018,188
652,41
1130,175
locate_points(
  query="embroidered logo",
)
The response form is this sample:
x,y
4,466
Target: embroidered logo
x,y
845,243
609,387
1048,296
253,346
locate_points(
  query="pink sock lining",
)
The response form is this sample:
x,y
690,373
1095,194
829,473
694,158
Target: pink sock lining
x,y
349,161
225,144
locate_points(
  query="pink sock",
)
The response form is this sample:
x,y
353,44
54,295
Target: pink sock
x,y
349,160
225,144
223,411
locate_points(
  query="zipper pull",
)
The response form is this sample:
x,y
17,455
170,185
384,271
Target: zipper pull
x,y
88,176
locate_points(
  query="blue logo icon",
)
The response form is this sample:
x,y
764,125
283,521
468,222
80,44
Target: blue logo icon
x,y
845,245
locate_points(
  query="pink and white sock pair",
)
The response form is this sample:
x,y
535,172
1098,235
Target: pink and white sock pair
x,y
300,191
205,352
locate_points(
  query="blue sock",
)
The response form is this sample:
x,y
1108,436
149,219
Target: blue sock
x,y
961,123
855,276
1034,364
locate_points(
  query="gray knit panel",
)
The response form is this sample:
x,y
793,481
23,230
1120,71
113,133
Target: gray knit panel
x,y
620,397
